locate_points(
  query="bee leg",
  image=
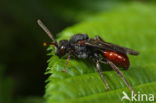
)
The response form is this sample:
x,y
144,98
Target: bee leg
x,y
100,72
120,74
67,60
98,38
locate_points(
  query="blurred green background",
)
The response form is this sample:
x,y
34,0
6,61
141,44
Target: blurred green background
x,y
22,56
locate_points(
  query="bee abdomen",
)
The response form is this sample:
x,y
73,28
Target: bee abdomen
x,y
120,60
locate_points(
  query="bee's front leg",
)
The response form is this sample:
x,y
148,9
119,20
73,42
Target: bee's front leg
x,y
67,61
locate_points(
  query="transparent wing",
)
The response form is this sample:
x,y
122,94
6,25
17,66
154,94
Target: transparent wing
x,y
101,44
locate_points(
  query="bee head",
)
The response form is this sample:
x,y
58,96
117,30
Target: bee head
x,y
62,48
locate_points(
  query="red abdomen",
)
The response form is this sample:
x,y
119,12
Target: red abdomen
x,y
118,59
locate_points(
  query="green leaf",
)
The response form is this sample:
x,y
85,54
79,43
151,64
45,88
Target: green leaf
x,y
130,25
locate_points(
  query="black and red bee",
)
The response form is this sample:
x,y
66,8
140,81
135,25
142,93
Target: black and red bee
x,y
98,50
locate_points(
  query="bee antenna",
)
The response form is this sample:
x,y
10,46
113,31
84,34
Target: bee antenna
x,y
40,23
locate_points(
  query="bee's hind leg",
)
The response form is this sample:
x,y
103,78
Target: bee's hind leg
x,y
120,74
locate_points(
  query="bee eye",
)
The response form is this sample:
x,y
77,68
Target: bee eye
x,y
62,50
62,47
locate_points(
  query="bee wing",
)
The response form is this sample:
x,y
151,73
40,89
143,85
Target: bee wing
x,y
101,44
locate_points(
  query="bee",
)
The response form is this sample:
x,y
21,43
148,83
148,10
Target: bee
x,y
99,51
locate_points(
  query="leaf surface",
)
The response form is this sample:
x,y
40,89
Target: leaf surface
x,y
131,25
